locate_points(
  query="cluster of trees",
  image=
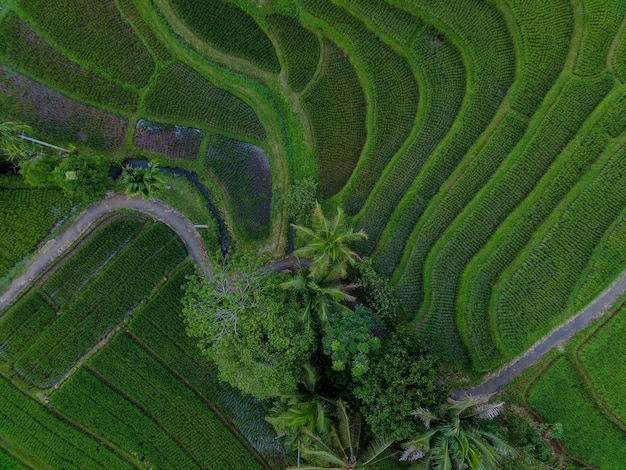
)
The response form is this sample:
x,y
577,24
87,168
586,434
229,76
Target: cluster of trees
x,y
322,344
83,178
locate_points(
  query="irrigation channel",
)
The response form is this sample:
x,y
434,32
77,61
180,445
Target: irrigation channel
x,y
191,176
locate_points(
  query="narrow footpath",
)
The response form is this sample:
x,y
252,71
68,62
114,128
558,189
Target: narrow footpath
x,y
57,246
560,334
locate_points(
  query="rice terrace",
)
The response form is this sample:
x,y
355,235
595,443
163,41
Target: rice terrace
x,y
347,234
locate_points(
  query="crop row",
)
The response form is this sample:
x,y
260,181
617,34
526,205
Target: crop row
x,y
20,325
128,367
99,38
608,262
159,326
229,28
619,58
336,97
7,462
175,141
101,304
393,94
601,22
56,116
396,23
545,31
300,48
181,92
25,50
603,359
540,69
89,257
94,404
49,439
551,132
489,75
559,395
133,16
443,71
244,171
469,178
26,217
483,271
534,296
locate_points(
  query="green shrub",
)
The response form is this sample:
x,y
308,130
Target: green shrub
x,y
158,325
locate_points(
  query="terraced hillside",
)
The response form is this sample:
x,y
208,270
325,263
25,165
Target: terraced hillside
x,y
481,145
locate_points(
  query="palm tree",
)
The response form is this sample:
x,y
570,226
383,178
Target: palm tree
x,y
11,145
142,181
453,439
319,294
339,448
303,409
327,244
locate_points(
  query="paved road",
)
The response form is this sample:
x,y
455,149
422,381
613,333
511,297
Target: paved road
x,y
595,309
55,247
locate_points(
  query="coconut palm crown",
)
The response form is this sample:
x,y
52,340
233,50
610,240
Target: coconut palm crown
x,y
328,243
453,440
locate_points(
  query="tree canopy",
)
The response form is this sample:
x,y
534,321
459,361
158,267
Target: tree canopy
x,y
82,177
401,378
251,329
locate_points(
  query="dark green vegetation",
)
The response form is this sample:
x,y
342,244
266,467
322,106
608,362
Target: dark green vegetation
x,y
144,400
26,218
484,158
244,171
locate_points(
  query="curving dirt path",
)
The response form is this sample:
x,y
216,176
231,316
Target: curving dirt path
x,y
187,232
598,307
55,247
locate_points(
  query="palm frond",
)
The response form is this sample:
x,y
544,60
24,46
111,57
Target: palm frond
x,y
377,450
346,434
488,410
425,416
